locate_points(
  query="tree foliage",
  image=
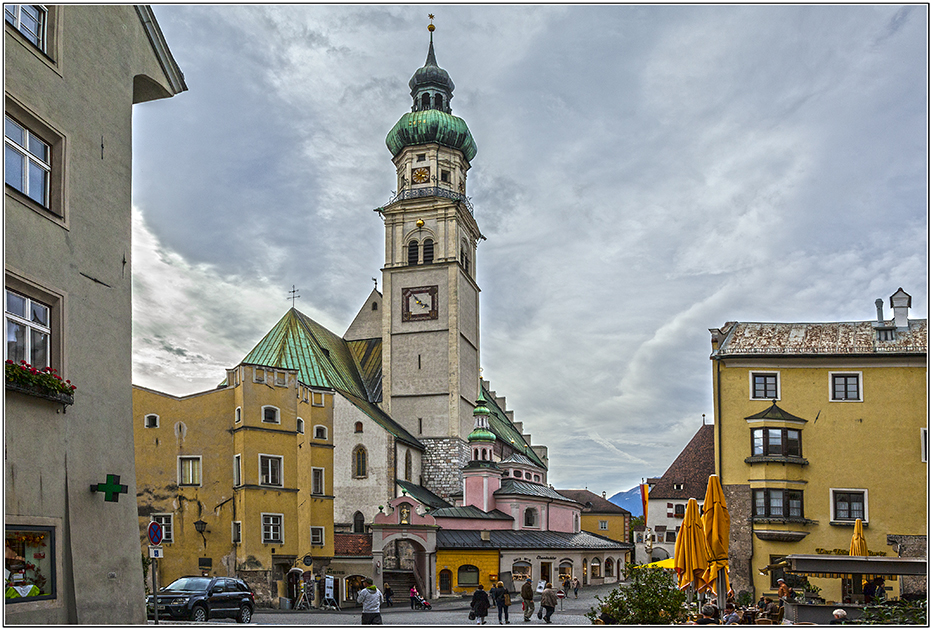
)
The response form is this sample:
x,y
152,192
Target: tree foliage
x,y
650,597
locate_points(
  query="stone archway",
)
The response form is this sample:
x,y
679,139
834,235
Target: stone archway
x,y
404,547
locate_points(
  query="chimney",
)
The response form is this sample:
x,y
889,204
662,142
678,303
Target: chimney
x,y
900,302
879,304
485,535
603,494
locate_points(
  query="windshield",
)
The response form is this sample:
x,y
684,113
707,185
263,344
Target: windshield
x,y
188,584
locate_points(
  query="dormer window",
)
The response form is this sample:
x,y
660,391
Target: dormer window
x,y
677,486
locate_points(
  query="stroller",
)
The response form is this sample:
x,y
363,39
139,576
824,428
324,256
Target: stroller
x,y
421,603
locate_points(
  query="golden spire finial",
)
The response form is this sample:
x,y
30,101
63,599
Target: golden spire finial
x,y
431,27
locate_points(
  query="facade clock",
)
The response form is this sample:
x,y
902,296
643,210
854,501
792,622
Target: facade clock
x,y
420,175
419,303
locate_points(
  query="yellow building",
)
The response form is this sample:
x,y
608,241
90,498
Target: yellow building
x,y
817,425
241,478
602,517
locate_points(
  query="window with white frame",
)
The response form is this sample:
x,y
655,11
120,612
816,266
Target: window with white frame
x,y
28,330
317,536
320,432
530,517
301,426
603,525
237,470
317,399
166,521
317,481
152,421
272,528
189,470
270,470
923,445
765,385
258,375
845,386
238,415
29,19
236,532
849,504
27,162
270,414
280,379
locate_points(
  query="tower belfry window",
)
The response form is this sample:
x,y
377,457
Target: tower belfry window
x,y
412,253
428,251
438,101
425,101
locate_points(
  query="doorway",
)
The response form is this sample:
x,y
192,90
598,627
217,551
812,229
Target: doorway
x,y
545,568
446,582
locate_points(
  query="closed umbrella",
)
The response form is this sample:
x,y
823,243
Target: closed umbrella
x,y
691,552
716,523
858,542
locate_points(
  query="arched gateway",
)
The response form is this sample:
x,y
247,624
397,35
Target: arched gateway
x,y
404,548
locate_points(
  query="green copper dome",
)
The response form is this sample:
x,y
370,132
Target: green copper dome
x,y
431,125
481,434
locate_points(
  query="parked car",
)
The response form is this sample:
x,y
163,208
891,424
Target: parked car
x,y
202,598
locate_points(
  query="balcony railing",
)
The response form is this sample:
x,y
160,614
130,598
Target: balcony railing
x,y
432,191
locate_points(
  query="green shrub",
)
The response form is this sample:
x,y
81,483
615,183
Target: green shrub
x,y
650,597
897,613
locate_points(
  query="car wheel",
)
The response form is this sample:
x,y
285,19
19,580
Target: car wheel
x,y
245,614
199,614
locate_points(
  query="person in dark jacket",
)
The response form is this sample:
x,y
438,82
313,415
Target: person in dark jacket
x,y
498,595
480,604
527,594
548,601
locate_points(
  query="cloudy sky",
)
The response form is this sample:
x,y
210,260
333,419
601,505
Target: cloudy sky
x,y
644,173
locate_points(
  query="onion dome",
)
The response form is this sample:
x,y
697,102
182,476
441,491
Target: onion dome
x,y
430,119
481,413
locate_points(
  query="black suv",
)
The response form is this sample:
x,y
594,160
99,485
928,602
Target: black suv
x,y
201,598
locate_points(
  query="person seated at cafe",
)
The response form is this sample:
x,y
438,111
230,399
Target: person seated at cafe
x,y
707,616
839,616
732,617
771,609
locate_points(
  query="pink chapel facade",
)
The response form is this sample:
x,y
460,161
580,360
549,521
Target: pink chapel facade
x,y
508,518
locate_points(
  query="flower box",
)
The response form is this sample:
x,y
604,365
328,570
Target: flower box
x,y
41,392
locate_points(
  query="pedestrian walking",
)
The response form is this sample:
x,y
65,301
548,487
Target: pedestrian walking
x,y
371,600
548,601
502,599
480,604
388,595
527,599
575,588
413,597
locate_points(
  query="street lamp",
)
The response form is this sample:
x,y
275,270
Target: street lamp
x,y
201,527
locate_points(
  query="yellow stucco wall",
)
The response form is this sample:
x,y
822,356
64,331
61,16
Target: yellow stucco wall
x,y
486,561
873,444
206,425
618,525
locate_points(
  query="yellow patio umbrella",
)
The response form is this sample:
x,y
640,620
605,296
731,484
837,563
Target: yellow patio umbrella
x,y
691,552
667,563
716,523
858,542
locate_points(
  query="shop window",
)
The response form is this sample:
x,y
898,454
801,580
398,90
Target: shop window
x,y
609,567
520,571
467,575
30,563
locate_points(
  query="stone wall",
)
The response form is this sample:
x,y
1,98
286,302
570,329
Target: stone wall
x,y
442,464
909,546
261,583
740,544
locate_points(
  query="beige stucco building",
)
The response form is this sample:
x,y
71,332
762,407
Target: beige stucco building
x,y
72,76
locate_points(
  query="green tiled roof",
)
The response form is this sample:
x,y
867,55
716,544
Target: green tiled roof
x,y
367,353
774,413
505,431
323,359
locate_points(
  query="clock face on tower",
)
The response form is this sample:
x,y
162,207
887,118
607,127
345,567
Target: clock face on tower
x,y
420,175
418,303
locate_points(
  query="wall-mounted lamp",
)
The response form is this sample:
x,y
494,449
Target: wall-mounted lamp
x,y
200,526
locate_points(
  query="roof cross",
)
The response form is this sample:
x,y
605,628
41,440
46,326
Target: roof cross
x,y
294,295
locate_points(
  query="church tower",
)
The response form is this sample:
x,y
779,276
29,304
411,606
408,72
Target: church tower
x,y
430,322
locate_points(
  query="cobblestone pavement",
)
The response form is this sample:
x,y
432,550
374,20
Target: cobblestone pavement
x,y
446,612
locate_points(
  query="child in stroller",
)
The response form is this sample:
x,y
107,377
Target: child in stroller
x,y
421,603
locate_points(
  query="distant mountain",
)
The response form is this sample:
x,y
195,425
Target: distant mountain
x,y
630,500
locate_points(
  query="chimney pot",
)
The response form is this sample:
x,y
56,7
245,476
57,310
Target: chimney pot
x,y
879,304
901,301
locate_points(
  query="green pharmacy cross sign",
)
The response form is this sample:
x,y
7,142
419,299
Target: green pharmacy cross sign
x,y
112,489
